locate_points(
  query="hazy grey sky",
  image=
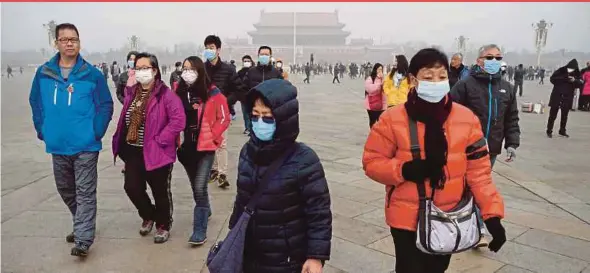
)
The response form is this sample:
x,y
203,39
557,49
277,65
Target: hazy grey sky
x,y
107,25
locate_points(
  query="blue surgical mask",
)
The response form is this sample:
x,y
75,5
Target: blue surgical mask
x,y
209,54
131,64
263,130
264,59
492,66
433,92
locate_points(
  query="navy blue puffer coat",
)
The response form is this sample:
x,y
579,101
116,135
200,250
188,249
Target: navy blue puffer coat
x,y
293,221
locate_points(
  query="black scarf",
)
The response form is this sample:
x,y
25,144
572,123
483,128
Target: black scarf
x,y
433,115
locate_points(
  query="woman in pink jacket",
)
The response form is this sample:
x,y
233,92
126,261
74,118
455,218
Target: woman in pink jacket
x,y
585,105
375,100
207,117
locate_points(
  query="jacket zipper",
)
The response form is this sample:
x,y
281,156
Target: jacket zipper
x,y
55,94
389,193
287,243
489,108
70,95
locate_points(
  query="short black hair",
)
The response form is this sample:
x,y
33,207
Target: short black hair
x,y
265,47
153,63
133,52
177,64
246,57
428,58
66,26
212,39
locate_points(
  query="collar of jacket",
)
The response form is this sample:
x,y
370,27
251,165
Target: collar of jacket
x,y
216,65
264,67
51,68
158,90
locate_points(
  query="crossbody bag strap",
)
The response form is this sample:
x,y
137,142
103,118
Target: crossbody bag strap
x,y
250,208
415,149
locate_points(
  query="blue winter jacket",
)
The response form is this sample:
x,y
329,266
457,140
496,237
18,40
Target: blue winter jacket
x,y
70,116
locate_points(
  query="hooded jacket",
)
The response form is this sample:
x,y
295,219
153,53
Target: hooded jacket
x,y
457,74
562,94
72,115
493,100
293,221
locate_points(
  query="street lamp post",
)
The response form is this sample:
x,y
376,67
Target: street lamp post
x,y
50,27
541,28
294,37
134,42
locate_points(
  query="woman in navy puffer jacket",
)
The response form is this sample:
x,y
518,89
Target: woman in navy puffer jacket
x,y
291,229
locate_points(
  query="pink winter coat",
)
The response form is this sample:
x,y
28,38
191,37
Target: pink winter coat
x,y
372,89
586,78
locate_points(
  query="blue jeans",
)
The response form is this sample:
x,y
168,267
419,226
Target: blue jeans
x,y
198,172
76,179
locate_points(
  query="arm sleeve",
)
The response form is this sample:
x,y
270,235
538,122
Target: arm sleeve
x,y
238,86
479,174
558,77
104,107
36,105
388,86
511,126
379,160
238,204
372,87
176,119
458,93
316,203
121,89
222,119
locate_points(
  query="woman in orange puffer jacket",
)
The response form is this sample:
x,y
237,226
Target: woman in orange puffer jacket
x,y
453,150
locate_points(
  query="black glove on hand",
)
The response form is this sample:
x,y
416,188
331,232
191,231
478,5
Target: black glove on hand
x,y
414,170
498,233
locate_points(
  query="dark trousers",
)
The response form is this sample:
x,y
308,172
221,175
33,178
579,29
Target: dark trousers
x,y
136,177
518,87
584,103
374,116
335,78
306,78
541,81
553,116
76,179
409,259
198,168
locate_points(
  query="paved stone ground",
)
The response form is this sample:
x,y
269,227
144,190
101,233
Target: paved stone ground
x,y
547,193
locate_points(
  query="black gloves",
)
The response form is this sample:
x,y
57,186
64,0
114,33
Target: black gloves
x,y
498,233
415,171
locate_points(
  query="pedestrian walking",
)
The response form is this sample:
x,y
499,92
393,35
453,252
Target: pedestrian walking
x,y
519,79
149,152
542,75
175,75
307,73
126,78
115,72
565,80
375,101
241,96
71,101
336,73
409,151
9,72
204,106
397,84
458,71
291,223
584,103
279,67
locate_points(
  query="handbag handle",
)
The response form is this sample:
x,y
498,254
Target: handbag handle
x,y
415,149
250,208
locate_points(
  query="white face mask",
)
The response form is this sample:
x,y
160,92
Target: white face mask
x,y
570,70
433,92
144,76
189,76
247,64
279,65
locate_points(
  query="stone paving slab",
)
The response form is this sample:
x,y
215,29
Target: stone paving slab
x,y
546,190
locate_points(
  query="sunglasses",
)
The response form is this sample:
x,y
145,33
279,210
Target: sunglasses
x,y
489,58
267,120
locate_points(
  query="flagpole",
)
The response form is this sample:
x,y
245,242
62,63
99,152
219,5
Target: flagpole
x,y
294,37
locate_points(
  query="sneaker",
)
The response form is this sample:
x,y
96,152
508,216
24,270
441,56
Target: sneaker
x,y
563,134
222,181
483,242
146,227
80,250
549,134
70,238
161,236
233,117
213,176
246,132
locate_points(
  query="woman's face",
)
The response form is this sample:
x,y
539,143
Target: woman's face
x,y
261,110
132,58
437,73
380,72
143,66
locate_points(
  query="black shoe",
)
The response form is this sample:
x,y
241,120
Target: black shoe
x,y
222,181
549,134
80,250
246,132
70,238
213,176
563,134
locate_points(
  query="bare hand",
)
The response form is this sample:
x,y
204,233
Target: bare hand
x,y
312,266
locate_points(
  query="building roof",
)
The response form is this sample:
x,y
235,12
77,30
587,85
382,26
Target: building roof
x,y
285,19
300,31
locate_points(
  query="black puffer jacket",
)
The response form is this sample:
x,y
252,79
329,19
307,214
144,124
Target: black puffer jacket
x,y
174,78
493,101
121,83
293,221
224,76
562,94
260,73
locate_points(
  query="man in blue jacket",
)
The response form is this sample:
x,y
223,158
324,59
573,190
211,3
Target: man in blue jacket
x,y
72,108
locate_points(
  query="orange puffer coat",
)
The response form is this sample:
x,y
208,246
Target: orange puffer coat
x,y
388,148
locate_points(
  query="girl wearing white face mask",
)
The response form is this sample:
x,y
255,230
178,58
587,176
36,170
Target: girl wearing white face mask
x,y
397,84
149,151
452,158
208,117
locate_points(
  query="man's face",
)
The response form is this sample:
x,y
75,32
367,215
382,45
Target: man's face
x,y
214,48
489,54
456,61
264,52
68,43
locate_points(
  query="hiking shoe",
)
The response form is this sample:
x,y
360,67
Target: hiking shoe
x,y
70,238
80,250
213,176
222,181
161,236
563,134
483,242
146,227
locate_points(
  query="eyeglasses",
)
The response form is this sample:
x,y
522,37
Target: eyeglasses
x,y
267,120
143,68
66,40
489,58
